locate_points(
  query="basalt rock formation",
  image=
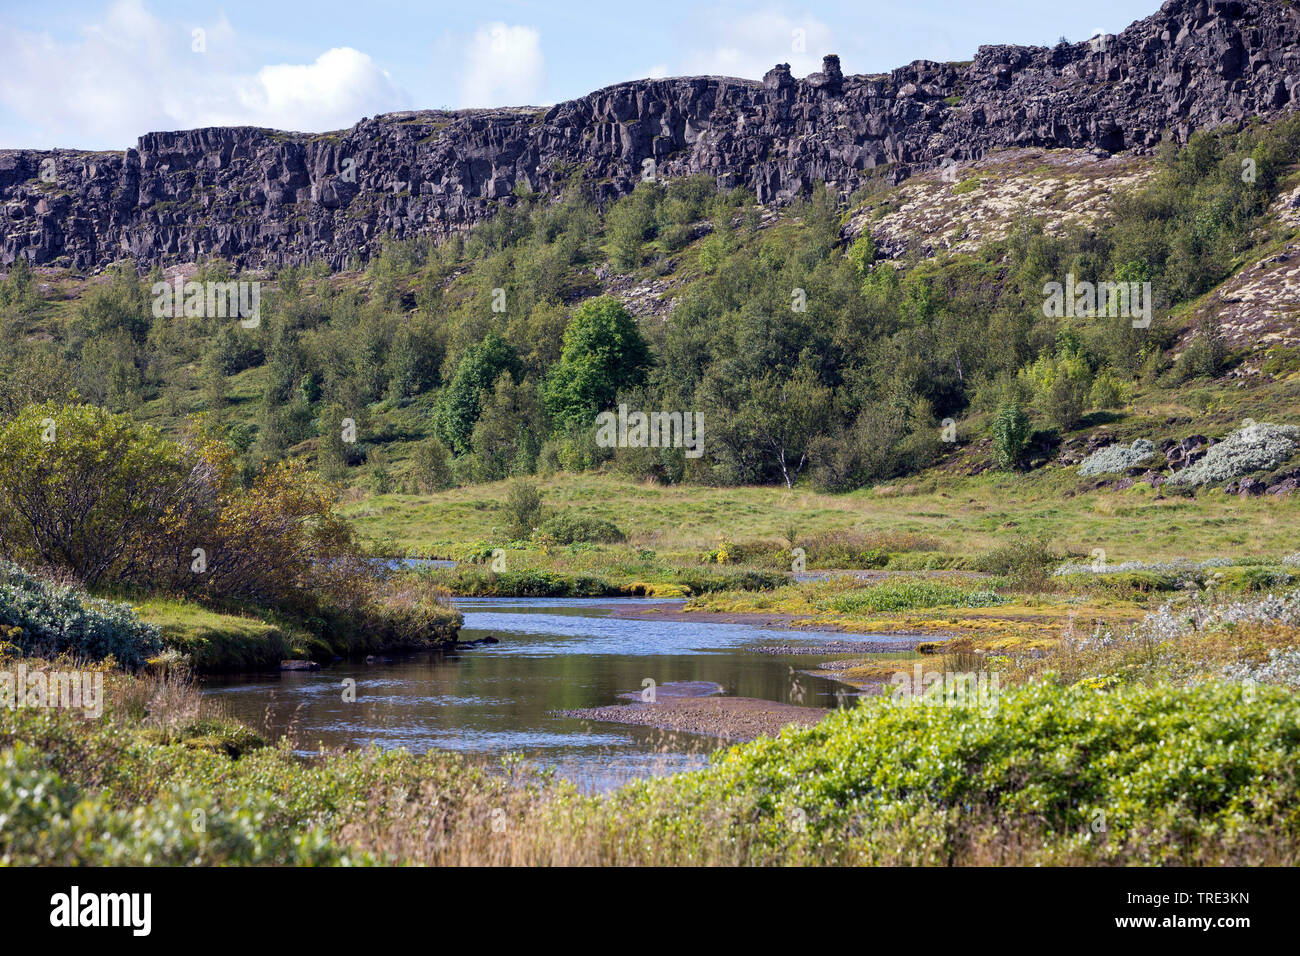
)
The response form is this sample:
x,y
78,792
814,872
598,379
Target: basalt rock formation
x,y
263,198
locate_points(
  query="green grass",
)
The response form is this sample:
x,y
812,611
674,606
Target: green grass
x,y
964,515
905,594
217,641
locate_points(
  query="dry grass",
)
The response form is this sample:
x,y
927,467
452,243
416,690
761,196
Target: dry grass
x,y
962,517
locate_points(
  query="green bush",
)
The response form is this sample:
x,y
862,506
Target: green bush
x,y
904,594
58,619
1143,773
1017,558
79,486
49,821
1281,360
566,528
483,582
706,580
523,509
433,465
1010,434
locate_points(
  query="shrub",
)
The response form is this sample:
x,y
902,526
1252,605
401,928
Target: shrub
x,y
54,822
1179,566
566,528
523,509
1106,392
1010,434
1023,561
381,481
432,465
1042,762
1062,384
1207,354
709,579
1281,360
55,619
862,549
1255,447
909,594
1282,667
406,611
80,486
1114,459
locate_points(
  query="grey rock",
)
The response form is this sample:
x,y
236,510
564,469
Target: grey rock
x,y
263,198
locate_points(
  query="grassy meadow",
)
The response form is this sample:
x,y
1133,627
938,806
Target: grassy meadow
x,y
964,516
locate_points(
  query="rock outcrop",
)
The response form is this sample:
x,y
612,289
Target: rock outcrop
x,y
263,198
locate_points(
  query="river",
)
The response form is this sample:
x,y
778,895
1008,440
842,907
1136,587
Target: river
x,y
554,654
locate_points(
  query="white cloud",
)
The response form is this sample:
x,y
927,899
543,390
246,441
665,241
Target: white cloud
x,y
503,66
340,87
658,71
724,43
132,72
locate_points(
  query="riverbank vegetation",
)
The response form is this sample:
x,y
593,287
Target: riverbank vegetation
x,y
235,575
1171,742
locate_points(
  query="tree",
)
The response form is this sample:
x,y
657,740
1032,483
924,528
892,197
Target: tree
x,y
119,304
604,353
523,508
1010,434
1062,383
80,486
213,379
462,401
268,543
331,448
18,290
508,435
432,465
786,415
630,222
413,358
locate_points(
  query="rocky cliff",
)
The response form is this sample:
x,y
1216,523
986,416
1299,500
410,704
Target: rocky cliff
x,y
262,198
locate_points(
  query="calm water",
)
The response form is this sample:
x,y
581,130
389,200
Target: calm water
x,y
555,654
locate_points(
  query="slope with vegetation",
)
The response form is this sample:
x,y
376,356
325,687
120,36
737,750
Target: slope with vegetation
x,y
904,411
1173,742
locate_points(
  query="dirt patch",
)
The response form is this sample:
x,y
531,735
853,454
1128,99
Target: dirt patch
x,y
674,613
789,622
730,718
843,647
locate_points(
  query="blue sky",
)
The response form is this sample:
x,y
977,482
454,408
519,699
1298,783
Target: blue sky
x,y
97,74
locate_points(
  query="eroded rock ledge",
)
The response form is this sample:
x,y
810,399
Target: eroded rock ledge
x,y
264,198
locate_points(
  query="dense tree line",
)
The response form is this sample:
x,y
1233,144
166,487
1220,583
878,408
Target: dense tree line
x,y
489,354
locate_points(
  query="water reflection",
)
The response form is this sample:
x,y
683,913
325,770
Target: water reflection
x,y
555,654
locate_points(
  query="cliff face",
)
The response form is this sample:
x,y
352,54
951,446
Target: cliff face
x,y
260,198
